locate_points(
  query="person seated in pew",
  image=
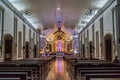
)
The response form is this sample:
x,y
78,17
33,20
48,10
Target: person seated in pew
x,y
116,60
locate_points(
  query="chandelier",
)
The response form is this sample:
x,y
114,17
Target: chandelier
x,y
59,13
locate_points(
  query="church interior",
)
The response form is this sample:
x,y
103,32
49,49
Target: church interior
x,y
59,39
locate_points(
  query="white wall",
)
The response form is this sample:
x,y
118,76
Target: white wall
x,y
8,20
27,33
20,29
97,28
107,25
9,26
90,32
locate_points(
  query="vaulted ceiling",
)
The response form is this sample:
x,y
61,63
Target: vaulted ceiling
x,y
42,12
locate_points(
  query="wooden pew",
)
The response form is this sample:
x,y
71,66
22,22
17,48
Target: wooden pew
x,y
102,68
85,69
9,78
84,74
102,76
36,68
24,65
30,71
14,75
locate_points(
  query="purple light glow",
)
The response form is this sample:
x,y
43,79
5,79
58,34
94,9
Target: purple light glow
x,y
59,46
59,25
60,66
59,18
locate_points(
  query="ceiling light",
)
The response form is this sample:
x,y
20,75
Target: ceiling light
x,y
27,12
90,16
83,23
32,20
58,8
89,12
12,1
18,5
101,3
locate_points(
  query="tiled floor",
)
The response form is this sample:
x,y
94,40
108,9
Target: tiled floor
x,y
58,71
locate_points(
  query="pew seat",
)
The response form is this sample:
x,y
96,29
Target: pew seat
x,y
83,69
35,68
14,75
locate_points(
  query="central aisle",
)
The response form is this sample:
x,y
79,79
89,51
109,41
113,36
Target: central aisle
x,y
58,71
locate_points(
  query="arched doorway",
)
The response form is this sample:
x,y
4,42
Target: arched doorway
x,y
108,47
19,44
8,47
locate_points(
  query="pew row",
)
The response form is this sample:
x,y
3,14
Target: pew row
x,y
13,75
85,69
35,68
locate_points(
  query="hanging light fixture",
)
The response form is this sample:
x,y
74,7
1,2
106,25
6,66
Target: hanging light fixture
x,y
59,13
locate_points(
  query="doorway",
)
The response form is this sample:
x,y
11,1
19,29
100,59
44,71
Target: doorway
x,y
108,47
8,47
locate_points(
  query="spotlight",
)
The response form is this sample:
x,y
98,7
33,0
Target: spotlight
x,y
58,8
27,12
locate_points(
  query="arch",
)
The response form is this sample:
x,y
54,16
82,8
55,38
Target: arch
x,y
108,47
8,46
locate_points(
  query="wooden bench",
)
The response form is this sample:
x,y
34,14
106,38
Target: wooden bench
x,y
102,76
36,69
31,71
87,69
13,75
